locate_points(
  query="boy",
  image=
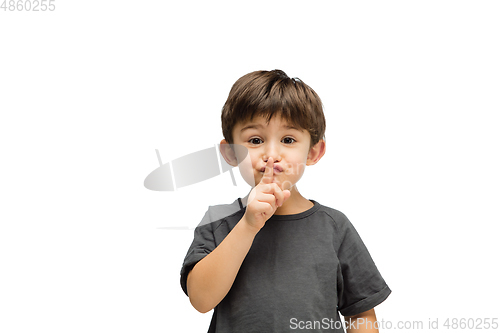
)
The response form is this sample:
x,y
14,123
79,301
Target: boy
x,y
275,261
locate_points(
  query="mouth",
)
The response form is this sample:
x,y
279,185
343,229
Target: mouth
x,y
276,169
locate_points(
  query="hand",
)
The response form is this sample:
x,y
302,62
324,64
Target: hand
x,y
264,199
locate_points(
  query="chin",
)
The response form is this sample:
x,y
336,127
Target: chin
x,y
285,184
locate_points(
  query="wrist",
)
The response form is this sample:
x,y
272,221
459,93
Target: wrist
x,y
247,227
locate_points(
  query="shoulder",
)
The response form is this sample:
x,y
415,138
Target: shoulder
x,y
337,217
218,213
341,224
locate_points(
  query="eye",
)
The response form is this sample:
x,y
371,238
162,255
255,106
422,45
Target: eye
x,y
288,140
255,141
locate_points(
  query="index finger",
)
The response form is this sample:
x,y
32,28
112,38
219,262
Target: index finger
x,y
269,172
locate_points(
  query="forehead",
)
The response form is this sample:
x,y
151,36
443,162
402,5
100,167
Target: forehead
x,y
260,122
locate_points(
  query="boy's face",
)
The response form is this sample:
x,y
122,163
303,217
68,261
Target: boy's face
x,y
288,145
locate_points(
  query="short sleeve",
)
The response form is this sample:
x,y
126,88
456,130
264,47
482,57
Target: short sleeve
x,y
203,244
362,286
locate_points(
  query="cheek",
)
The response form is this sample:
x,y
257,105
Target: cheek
x,y
246,168
254,159
295,168
302,168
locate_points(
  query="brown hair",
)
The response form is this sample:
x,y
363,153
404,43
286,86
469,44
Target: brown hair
x,y
271,93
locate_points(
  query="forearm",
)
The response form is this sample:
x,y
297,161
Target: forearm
x,y
362,323
212,277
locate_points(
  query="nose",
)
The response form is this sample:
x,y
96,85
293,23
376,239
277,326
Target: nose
x,y
272,150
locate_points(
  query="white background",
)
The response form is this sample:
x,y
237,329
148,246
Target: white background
x,y
90,90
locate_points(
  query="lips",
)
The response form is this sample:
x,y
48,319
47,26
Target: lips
x,y
276,168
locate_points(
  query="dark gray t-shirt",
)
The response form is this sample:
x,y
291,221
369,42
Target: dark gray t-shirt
x,y
300,271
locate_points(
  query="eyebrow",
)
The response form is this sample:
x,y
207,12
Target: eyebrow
x,y
258,126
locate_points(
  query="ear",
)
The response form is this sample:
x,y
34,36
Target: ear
x,y
228,153
316,152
